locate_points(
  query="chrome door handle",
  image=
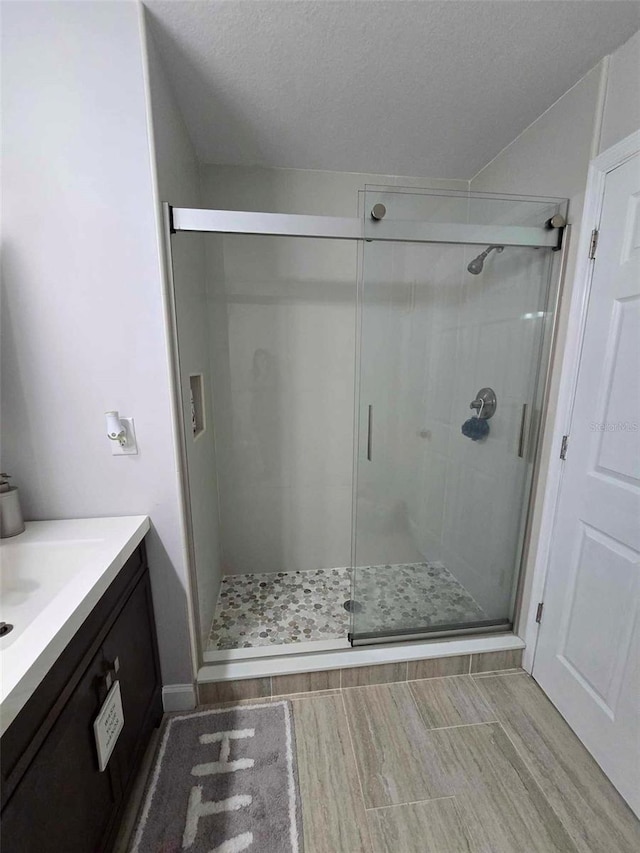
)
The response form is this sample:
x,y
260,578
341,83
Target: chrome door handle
x,y
523,423
370,434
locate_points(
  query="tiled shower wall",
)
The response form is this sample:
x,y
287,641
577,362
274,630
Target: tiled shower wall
x,y
282,314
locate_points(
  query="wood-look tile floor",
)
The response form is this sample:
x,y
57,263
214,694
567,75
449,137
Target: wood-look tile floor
x,y
459,764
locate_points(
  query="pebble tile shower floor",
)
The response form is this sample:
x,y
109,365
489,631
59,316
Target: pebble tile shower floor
x,y
291,607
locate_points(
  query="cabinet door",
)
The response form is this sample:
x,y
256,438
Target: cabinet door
x,y
131,641
64,803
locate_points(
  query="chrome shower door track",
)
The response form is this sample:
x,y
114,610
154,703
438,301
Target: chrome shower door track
x,y
439,632
340,228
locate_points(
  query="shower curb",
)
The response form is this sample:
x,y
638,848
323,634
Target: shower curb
x,y
266,677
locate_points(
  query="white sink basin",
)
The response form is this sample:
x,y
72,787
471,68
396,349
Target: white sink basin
x,y
33,574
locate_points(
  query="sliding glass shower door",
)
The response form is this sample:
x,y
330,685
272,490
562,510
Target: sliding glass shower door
x,y
452,342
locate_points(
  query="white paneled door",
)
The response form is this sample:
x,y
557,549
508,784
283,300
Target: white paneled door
x,y
587,657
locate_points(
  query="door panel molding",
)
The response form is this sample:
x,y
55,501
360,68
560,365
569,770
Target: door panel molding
x,y
584,659
599,168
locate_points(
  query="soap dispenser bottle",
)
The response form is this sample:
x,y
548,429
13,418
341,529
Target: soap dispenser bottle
x,y
11,521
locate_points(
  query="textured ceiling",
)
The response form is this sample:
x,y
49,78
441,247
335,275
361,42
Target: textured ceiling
x,y
431,88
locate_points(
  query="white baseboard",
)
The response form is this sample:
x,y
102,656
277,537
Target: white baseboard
x,y
178,697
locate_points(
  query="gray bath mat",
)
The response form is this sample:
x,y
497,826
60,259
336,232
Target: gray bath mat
x,y
224,781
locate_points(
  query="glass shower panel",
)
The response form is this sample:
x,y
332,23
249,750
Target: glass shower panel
x,y
283,343
441,488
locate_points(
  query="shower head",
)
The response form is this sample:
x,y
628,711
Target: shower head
x,y
475,267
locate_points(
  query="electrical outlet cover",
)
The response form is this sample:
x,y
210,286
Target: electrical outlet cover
x,y
131,448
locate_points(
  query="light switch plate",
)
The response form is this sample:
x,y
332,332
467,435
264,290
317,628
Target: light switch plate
x,y
131,448
108,725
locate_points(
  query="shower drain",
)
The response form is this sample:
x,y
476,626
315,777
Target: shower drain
x,y
352,606
5,627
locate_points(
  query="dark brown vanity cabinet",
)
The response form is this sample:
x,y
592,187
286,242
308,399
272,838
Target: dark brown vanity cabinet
x,y
62,803
54,797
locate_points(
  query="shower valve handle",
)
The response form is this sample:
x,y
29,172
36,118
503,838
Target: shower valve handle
x,y
484,403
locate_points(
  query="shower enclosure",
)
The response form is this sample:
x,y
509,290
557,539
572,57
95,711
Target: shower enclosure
x,y
403,515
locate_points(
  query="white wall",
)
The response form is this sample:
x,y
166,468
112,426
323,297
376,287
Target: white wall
x,y
83,329
551,157
283,322
622,103
178,183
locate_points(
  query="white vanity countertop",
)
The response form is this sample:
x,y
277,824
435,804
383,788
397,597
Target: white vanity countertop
x,y
52,576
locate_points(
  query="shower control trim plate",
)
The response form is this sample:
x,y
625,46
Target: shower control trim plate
x,y
485,403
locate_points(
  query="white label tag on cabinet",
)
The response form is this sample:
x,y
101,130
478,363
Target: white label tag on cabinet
x,y
108,725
